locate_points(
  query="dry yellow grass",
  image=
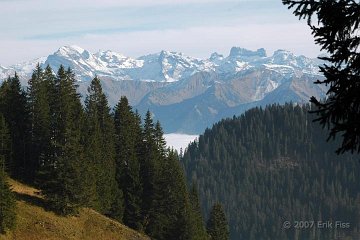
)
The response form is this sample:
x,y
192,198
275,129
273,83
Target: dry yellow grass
x,y
35,223
20,188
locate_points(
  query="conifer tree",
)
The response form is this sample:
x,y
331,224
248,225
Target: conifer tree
x,y
100,148
65,171
197,227
217,226
13,106
7,200
149,169
40,91
166,203
159,139
170,215
128,140
335,27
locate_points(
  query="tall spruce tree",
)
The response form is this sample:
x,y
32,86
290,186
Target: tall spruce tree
x,y
100,147
149,170
13,105
170,213
197,227
159,139
217,226
128,139
40,91
64,171
7,200
166,206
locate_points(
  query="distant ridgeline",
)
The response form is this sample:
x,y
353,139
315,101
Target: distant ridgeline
x,y
188,94
274,165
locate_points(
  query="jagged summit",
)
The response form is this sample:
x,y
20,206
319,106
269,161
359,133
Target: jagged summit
x,y
242,52
70,49
216,55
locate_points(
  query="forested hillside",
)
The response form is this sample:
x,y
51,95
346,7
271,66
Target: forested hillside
x,y
91,156
274,165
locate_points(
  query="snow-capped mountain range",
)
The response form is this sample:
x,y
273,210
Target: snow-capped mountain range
x,y
188,94
164,66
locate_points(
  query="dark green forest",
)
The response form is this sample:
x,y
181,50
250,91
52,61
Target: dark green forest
x,y
273,165
88,155
255,171
7,200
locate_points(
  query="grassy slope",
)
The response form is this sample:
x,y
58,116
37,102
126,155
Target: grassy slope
x,y
33,222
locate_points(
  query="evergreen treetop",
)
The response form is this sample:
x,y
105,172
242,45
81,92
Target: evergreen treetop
x,y
217,226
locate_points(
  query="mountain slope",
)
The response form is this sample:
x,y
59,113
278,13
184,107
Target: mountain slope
x,y
210,98
273,165
33,222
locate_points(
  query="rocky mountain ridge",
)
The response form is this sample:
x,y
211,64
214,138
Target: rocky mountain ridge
x,y
164,66
188,94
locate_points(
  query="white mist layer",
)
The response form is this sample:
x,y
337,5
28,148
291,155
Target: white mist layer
x,y
178,140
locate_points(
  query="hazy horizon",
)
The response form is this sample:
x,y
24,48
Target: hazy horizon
x,y
37,28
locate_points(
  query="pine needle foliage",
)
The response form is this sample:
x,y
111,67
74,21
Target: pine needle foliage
x,y
335,27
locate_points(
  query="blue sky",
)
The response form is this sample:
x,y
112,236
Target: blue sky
x,y
35,28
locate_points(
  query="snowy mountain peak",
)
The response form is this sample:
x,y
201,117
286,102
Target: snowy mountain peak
x,y
115,60
169,66
70,50
108,54
216,55
170,55
237,52
283,55
176,56
282,52
216,58
286,59
165,53
74,53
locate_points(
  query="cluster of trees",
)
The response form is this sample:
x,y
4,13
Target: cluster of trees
x,y
91,156
12,106
7,201
273,165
